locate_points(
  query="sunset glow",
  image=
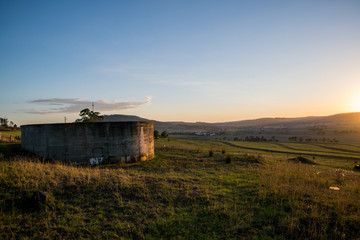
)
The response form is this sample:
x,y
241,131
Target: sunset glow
x,y
357,104
192,61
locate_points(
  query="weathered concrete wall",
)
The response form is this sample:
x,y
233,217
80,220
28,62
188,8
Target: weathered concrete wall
x,y
84,143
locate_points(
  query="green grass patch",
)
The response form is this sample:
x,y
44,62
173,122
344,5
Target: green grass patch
x,y
10,135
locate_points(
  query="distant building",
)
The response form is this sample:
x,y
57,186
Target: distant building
x,y
205,134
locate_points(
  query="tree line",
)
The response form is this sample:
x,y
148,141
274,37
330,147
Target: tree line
x,y
317,140
256,139
4,122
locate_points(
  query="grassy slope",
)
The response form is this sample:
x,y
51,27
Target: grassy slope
x,y
183,194
316,150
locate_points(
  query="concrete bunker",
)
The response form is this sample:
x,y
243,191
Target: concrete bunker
x,y
91,143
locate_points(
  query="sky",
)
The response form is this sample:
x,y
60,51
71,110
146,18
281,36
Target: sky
x,y
178,60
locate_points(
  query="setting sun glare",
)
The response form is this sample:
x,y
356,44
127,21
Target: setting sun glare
x,y
356,104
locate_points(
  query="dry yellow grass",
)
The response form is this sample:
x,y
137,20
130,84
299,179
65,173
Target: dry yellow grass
x,y
305,189
182,193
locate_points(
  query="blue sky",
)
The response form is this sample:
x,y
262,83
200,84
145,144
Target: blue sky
x,y
178,60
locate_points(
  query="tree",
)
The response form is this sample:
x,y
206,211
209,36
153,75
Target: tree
x,y
89,116
4,122
164,134
156,134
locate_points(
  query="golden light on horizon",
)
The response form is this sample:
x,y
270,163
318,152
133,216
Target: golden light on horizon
x,y
357,104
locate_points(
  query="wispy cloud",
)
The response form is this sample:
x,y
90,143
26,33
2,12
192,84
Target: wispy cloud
x,y
72,105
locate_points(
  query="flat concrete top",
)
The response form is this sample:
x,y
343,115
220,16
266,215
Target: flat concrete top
x,y
89,123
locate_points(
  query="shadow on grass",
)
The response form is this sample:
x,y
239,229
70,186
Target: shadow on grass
x,y
12,149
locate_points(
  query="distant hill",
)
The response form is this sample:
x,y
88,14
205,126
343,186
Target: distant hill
x,y
123,118
339,121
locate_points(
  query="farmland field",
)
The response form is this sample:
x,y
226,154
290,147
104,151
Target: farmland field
x,y
10,135
187,192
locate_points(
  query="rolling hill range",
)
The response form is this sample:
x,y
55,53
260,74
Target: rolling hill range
x,y
345,122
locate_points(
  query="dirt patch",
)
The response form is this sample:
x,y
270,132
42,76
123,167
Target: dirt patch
x,y
302,160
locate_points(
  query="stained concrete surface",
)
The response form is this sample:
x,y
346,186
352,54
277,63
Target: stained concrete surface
x,y
90,143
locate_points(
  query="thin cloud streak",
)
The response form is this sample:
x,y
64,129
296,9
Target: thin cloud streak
x,y
73,105
155,75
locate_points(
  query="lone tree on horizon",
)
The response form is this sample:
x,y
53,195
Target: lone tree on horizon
x,y
89,116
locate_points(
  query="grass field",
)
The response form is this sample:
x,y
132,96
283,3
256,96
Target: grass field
x,y
184,193
9,135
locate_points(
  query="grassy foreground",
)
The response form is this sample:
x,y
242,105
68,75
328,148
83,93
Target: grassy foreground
x,y
183,194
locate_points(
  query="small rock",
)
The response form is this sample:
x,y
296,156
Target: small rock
x,y
334,188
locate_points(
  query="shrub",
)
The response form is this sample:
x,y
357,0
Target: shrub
x,y
228,159
164,134
211,153
156,134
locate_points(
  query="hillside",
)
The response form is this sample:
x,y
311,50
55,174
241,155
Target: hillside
x,y
338,121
